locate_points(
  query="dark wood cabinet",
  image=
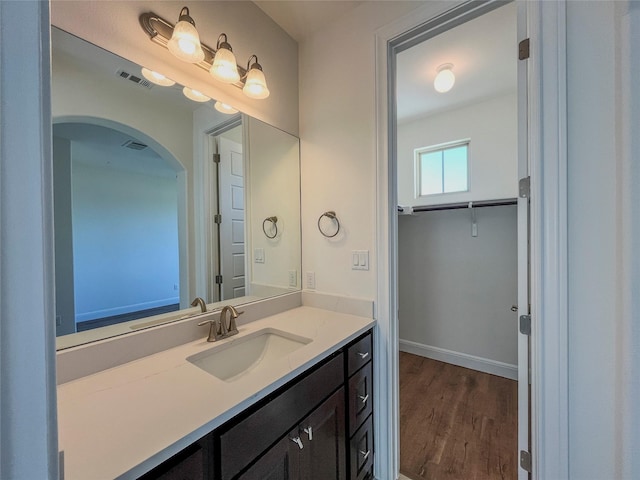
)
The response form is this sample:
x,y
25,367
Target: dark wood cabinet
x,y
316,427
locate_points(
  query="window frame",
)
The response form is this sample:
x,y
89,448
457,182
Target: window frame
x,y
418,152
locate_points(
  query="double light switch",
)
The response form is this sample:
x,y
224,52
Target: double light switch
x,y
360,260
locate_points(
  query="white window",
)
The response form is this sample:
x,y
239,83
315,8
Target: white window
x,y
443,168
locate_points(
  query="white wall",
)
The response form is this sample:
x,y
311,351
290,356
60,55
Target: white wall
x,y
491,127
125,230
337,131
456,290
274,180
115,26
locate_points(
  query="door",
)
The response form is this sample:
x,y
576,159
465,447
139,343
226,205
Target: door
x,y
323,435
524,382
231,203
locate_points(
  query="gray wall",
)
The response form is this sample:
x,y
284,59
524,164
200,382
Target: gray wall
x,y
455,290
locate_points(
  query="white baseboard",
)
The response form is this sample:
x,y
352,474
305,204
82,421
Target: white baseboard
x,y
485,365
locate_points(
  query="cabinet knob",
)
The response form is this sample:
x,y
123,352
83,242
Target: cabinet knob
x,y
309,432
364,398
298,442
363,355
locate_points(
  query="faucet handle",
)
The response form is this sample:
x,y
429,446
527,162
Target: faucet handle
x,y
213,329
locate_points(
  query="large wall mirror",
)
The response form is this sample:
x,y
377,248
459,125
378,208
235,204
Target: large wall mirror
x,y
160,199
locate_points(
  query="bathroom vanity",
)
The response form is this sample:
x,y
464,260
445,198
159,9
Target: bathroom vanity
x,y
301,409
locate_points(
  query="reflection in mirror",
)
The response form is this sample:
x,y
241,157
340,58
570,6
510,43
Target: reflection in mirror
x,y
144,220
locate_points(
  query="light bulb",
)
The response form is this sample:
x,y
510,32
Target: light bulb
x,y
255,85
225,108
195,95
157,78
185,41
445,79
224,67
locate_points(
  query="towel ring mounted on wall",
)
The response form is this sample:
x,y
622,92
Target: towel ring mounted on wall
x,y
274,226
332,216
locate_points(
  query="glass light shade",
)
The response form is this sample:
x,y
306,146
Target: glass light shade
x,y
195,95
255,85
224,108
224,66
157,78
185,43
445,79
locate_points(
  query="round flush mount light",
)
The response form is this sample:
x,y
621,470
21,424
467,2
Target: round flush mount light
x,y
225,108
445,79
195,95
185,41
157,78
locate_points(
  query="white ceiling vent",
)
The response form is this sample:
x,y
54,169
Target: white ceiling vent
x,y
133,145
137,80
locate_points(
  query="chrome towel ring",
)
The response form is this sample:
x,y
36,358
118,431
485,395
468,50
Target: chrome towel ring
x,y
274,226
332,216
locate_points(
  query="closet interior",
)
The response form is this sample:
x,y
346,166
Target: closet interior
x,y
457,176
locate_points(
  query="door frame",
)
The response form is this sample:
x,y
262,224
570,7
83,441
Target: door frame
x,y
546,97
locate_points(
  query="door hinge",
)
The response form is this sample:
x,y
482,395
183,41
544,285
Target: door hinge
x,y
216,158
523,49
217,218
218,279
524,187
525,460
525,324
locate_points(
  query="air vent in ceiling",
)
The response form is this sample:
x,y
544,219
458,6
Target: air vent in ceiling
x,y
137,80
133,145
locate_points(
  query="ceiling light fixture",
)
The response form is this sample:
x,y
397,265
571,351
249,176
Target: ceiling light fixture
x,y
183,41
255,85
195,95
445,79
157,78
224,66
225,108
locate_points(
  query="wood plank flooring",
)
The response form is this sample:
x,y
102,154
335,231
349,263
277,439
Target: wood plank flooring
x,y
456,423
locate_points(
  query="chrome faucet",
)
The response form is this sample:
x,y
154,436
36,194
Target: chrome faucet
x,y
199,301
220,328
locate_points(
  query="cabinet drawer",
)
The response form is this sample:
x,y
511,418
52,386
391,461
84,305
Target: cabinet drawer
x,y
361,451
251,436
360,397
359,354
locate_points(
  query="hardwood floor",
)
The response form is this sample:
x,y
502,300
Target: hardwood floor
x,y
456,423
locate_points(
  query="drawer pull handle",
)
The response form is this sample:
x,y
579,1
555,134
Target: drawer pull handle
x,y
364,398
364,454
363,355
298,442
309,431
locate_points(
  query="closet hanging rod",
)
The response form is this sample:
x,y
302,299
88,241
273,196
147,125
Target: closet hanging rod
x,y
455,206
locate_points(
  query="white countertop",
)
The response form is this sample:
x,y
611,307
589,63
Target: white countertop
x,y
121,422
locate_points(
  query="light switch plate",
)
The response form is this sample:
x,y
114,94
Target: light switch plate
x,y
360,260
258,255
310,280
293,278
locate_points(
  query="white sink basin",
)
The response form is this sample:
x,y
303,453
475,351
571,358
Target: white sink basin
x,y
247,354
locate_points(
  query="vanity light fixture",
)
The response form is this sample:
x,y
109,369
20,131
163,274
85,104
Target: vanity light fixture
x,y
195,95
185,41
225,108
157,78
445,78
255,85
224,66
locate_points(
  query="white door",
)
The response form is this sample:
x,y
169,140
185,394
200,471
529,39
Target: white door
x,y
232,248
524,386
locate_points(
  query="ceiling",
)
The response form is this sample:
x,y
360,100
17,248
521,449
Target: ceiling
x,y
484,54
300,19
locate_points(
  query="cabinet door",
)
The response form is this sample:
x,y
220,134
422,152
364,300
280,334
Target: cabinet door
x,y
192,463
323,435
280,462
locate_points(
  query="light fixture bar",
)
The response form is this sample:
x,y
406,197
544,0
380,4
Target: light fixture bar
x,y
160,32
